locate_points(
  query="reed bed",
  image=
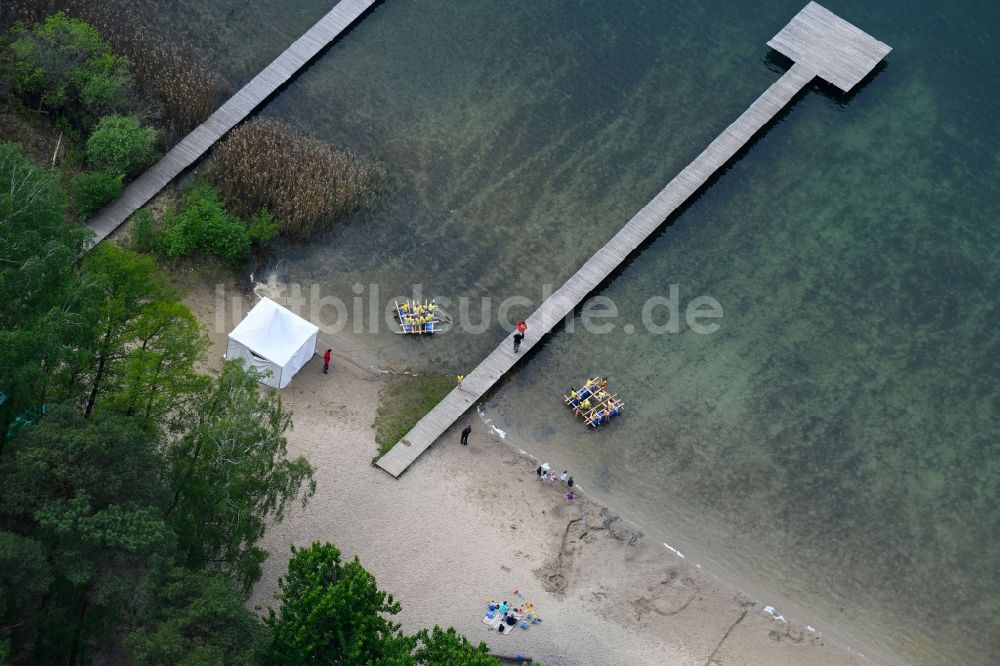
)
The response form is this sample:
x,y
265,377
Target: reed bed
x,y
185,90
306,183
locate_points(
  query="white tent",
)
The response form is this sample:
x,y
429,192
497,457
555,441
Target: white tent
x,y
272,338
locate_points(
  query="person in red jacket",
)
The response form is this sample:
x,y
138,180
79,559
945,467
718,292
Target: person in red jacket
x,y
326,361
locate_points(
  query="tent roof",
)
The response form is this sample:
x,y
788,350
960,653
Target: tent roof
x,y
273,332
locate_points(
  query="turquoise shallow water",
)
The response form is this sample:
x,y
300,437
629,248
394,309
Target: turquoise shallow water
x,y
834,443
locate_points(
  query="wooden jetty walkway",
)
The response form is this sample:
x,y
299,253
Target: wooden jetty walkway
x,y
820,44
238,107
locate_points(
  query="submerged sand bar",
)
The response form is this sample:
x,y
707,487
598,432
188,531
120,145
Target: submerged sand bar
x,y
233,111
820,44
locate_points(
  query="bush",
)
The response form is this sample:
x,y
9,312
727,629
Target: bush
x,y
121,145
92,191
201,224
306,183
63,66
218,232
143,231
204,224
176,239
262,226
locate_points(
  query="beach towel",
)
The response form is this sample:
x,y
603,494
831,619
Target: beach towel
x,y
507,628
493,622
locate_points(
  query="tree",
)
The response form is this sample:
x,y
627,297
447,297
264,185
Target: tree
x,y
121,146
334,613
37,246
110,334
123,286
25,576
40,294
231,475
141,346
91,493
158,380
62,65
192,618
441,647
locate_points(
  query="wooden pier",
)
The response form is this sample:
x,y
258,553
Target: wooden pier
x,y
819,44
238,107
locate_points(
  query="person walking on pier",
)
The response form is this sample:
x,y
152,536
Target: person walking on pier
x,y
465,434
326,362
517,340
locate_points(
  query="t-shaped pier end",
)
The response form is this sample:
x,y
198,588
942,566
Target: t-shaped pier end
x,y
829,46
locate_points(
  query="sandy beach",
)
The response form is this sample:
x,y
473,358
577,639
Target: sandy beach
x,y
467,524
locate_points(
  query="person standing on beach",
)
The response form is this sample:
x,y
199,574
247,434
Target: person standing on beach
x,y
538,472
326,361
563,476
517,340
570,482
465,434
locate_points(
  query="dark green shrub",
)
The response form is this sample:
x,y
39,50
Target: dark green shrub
x,y
121,145
220,233
204,224
176,240
91,191
63,66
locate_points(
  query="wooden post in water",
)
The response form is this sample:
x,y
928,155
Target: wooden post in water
x,y
820,44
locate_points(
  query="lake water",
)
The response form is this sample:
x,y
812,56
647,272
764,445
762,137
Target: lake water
x,y
835,443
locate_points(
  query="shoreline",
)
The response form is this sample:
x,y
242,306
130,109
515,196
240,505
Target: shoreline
x,y
459,529
778,608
